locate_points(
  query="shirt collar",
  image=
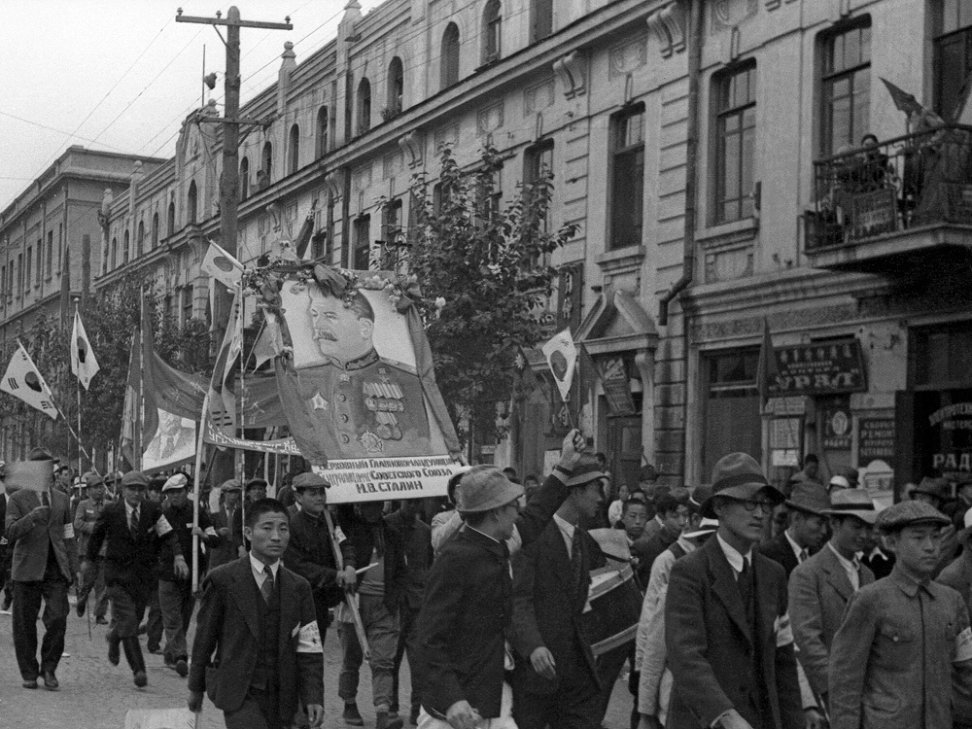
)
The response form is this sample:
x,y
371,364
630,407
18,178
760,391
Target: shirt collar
x,y
365,360
565,526
686,544
258,566
797,549
733,555
908,585
847,564
661,522
129,509
472,528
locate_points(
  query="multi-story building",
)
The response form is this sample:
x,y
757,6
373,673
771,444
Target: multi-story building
x,y
48,245
693,143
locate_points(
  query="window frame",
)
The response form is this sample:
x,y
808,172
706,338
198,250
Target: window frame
x,y
363,106
361,228
541,20
395,103
450,57
829,77
323,124
492,31
621,151
723,110
293,156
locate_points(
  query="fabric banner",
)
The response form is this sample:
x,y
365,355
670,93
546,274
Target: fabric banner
x,y
140,419
383,479
24,381
561,356
221,266
31,475
84,364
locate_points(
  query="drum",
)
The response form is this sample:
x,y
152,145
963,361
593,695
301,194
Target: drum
x,y
614,608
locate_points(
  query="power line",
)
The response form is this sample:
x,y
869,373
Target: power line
x,y
52,129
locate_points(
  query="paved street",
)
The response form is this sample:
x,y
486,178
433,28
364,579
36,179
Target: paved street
x,y
97,695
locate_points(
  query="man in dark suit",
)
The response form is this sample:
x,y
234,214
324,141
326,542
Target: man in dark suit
x,y
6,584
555,680
40,531
806,531
821,587
728,635
469,598
134,529
228,523
257,649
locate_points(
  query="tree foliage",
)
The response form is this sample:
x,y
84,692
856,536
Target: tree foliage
x,y
485,274
111,319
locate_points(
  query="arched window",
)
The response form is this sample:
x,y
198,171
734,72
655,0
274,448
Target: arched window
x,y
128,242
294,151
450,56
492,26
114,253
155,230
321,140
140,238
364,106
191,203
396,87
170,219
267,168
244,179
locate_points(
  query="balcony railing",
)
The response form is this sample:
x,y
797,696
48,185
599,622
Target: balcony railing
x,y
917,180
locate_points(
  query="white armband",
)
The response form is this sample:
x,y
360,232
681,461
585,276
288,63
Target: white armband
x,y
309,639
210,532
69,531
783,631
963,646
162,526
339,535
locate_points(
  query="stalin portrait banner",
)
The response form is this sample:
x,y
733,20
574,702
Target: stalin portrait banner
x,y
359,390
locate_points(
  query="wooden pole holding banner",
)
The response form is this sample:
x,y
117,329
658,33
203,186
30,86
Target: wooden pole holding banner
x,y
197,490
348,597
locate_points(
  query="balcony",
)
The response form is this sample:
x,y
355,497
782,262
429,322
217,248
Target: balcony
x,y
885,207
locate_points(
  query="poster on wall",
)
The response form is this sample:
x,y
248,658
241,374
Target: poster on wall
x,y
943,432
837,429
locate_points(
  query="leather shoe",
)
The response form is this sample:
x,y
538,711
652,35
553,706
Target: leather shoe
x,y
140,679
182,668
81,607
114,655
383,721
50,681
101,621
30,683
352,716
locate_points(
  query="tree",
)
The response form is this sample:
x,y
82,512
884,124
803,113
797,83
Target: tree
x,y
485,277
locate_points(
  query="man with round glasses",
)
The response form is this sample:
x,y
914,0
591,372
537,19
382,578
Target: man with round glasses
x,y
728,635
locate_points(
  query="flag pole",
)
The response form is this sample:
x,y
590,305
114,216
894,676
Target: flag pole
x,y
197,490
77,387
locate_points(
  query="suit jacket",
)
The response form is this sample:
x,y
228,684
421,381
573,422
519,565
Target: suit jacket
x,y
547,606
228,548
130,560
468,608
647,549
779,550
361,535
228,639
710,643
819,593
417,541
30,542
958,576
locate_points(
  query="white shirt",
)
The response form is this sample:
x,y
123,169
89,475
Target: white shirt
x,y
566,531
852,568
797,549
258,570
734,557
161,525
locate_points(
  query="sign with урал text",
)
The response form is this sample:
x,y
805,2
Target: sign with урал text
x,y
825,368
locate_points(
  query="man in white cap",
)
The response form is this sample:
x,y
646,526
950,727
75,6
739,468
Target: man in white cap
x,y
821,587
728,635
175,591
469,596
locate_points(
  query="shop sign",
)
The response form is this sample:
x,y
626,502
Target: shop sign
x,y
785,442
837,429
819,369
875,440
617,390
944,424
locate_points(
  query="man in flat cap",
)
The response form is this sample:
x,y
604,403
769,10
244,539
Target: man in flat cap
x,y
85,519
937,492
228,523
904,639
45,562
175,592
310,552
133,530
821,587
469,598
728,635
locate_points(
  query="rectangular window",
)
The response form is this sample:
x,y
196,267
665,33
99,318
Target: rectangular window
x,y
735,106
731,421
542,19
30,265
49,261
537,163
846,89
627,177
20,274
361,252
186,305
953,55
391,224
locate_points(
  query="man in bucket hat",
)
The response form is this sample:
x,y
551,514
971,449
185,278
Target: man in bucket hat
x,y
821,587
469,596
904,639
728,635
806,530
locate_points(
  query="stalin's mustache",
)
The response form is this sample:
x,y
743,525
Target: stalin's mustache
x,y
320,334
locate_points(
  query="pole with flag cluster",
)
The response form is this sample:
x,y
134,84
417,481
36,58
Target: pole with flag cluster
x,y
84,366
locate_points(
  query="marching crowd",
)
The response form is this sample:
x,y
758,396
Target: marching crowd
x,y
732,604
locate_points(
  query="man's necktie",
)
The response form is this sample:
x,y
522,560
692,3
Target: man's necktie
x,y
44,499
267,587
576,557
745,583
133,524
803,556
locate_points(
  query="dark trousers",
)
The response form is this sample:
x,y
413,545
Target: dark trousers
x,y
26,607
176,601
97,583
128,603
408,643
609,666
155,626
260,710
572,706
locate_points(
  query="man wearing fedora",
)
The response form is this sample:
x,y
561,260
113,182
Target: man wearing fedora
x,y
821,587
904,640
555,680
806,531
469,596
728,634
